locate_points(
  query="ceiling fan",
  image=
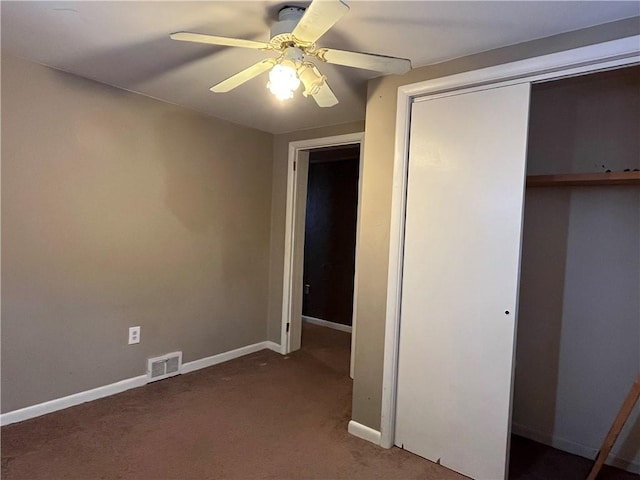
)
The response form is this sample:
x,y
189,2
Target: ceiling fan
x,y
294,36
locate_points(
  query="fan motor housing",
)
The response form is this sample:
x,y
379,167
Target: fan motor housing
x,y
288,18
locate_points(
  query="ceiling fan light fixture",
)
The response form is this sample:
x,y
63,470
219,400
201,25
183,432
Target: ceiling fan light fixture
x,y
295,35
283,77
283,81
311,79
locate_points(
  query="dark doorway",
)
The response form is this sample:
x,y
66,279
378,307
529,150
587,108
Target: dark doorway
x,y
330,234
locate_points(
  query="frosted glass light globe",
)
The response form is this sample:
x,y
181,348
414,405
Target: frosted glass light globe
x,y
283,81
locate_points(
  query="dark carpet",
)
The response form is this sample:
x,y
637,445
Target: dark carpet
x,y
263,416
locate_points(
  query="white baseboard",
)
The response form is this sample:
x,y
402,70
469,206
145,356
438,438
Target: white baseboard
x,y
71,400
328,324
226,356
364,432
573,447
273,346
81,397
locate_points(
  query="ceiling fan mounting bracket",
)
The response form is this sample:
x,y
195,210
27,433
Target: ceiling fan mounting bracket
x,y
288,18
290,11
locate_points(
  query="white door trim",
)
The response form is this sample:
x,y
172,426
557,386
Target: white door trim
x,y
602,56
295,149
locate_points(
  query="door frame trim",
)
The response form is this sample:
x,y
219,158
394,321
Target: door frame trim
x,y
602,56
296,148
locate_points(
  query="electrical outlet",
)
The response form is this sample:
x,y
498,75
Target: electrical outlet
x,y
134,335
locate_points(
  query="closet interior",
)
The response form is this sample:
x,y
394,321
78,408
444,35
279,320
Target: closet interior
x,y
578,333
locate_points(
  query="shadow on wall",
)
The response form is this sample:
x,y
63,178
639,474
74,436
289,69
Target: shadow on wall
x,y
542,282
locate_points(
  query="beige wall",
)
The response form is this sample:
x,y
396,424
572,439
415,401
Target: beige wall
x,y
377,175
278,207
120,210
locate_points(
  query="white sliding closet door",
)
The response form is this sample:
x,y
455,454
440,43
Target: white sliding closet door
x,y
460,278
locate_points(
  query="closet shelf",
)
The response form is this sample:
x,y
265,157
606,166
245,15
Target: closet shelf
x,y
584,179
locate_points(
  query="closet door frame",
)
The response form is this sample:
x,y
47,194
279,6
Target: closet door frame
x,y
603,56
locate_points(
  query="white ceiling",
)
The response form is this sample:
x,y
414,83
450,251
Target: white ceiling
x,y
126,44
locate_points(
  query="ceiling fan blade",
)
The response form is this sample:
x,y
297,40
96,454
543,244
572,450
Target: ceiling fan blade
x,y
213,40
319,17
243,76
324,97
368,61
